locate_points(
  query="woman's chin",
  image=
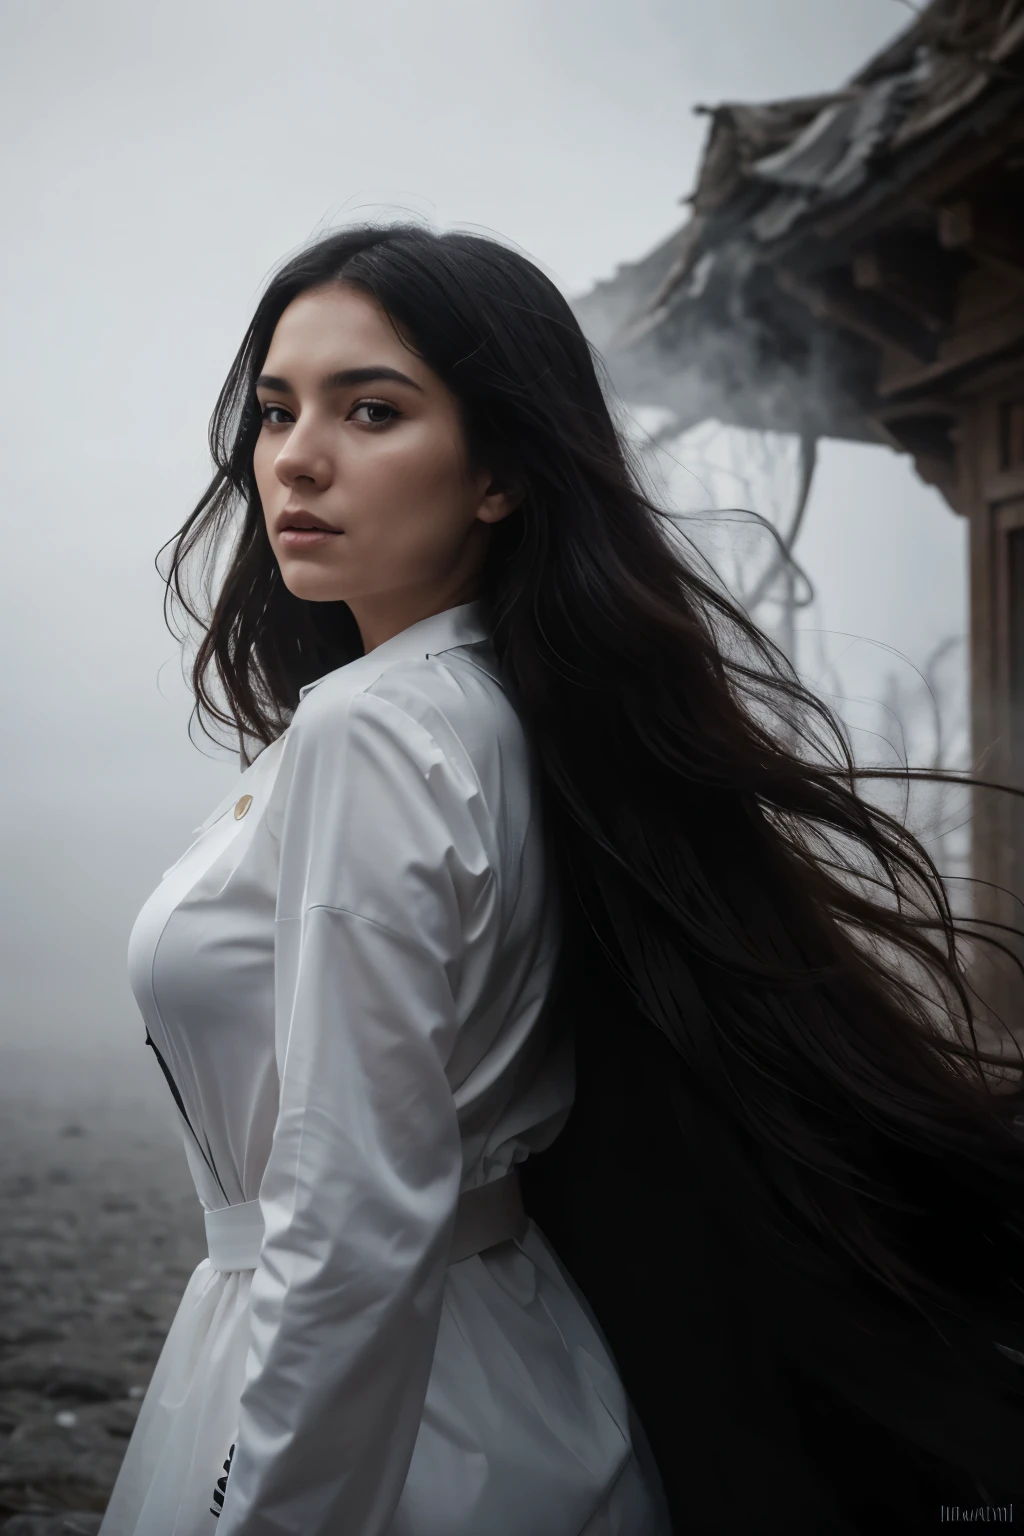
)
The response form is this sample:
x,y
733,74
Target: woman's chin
x,y
309,584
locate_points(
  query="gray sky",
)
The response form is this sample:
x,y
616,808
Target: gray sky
x,y
157,161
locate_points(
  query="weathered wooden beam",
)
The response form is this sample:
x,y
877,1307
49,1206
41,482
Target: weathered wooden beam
x,y
929,431
945,477
989,236
832,297
969,349
915,274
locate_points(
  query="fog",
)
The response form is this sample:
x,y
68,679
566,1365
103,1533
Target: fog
x,y
157,162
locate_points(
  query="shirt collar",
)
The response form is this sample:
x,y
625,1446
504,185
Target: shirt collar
x,y
462,625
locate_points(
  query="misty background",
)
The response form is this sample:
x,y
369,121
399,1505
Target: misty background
x,y
157,163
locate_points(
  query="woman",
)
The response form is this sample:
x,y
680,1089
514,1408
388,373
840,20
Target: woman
x,y
542,863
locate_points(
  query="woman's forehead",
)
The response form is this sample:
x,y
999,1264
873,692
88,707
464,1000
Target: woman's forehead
x,y
337,327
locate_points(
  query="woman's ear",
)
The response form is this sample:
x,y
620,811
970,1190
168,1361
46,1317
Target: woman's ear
x,y
503,495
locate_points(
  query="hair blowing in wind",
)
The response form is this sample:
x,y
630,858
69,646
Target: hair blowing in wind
x,y
780,1088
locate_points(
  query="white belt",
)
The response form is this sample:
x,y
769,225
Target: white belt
x,y
489,1214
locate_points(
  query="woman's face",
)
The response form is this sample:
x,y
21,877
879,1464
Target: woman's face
x,y
361,435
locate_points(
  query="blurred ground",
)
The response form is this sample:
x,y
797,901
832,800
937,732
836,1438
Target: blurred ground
x,y
100,1230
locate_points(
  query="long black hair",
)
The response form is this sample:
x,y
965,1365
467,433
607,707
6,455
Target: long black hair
x,y
789,1189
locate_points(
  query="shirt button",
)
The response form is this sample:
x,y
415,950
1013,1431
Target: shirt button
x,y
241,806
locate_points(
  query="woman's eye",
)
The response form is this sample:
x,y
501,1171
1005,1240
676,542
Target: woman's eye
x,y
375,413
380,413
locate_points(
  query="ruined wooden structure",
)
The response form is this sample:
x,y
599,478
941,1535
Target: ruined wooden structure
x,y
854,267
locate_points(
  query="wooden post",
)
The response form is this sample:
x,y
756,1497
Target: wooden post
x,y
992,493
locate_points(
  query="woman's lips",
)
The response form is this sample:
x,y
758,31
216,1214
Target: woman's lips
x,y
303,538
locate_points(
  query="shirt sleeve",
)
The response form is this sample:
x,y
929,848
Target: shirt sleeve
x,y
385,881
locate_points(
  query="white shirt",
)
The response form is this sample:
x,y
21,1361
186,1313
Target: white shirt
x,y
345,979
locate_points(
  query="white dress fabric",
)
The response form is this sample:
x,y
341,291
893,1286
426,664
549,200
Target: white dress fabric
x,y
345,983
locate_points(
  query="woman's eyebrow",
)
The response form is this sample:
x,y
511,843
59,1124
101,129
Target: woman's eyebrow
x,y
343,378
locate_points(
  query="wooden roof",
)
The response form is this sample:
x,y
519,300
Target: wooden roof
x,y
819,282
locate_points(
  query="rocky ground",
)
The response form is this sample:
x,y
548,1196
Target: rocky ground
x,y
99,1231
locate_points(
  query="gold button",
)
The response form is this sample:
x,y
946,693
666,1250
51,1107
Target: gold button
x,y
241,806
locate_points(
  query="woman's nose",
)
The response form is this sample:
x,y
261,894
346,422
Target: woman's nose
x,y
303,457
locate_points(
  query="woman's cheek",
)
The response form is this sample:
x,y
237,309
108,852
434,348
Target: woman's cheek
x,y
262,470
